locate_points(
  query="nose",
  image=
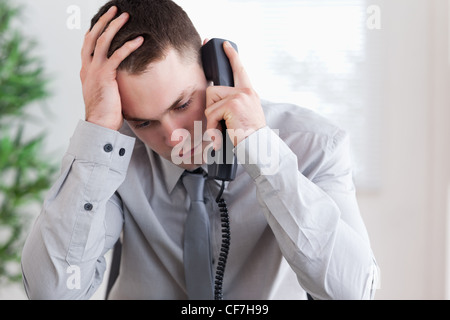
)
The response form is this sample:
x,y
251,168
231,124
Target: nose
x,y
173,132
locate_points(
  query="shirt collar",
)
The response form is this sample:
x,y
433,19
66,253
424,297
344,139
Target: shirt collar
x,y
171,173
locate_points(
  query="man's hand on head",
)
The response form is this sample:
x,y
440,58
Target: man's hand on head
x,y
98,72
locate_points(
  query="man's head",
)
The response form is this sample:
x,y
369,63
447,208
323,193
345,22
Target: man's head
x,y
162,85
162,23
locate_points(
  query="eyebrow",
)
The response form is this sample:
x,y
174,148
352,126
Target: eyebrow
x,y
180,98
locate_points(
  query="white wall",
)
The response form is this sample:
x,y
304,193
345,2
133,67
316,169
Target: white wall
x,y
407,216
46,22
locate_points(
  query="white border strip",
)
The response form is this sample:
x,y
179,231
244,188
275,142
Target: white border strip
x,y
447,246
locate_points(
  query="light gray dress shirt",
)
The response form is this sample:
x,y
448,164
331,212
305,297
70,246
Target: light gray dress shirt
x,y
295,221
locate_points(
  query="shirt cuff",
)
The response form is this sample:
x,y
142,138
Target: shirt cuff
x,y
261,152
96,144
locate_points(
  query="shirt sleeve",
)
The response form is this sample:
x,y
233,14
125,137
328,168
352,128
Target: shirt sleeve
x,y
81,218
315,218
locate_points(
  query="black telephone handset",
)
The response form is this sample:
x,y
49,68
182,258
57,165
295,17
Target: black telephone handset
x,y
217,69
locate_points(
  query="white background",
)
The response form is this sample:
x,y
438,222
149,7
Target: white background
x,y
407,214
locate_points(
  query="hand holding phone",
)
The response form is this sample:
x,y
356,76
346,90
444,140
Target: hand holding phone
x,y
217,69
237,108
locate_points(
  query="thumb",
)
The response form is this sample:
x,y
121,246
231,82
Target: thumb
x,y
241,79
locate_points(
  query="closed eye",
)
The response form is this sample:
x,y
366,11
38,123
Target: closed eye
x,y
183,106
143,124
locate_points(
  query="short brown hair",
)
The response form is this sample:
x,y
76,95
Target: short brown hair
x,y
162,23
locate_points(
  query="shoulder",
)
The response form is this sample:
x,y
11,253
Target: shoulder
x,y
313,138
290,118
292,121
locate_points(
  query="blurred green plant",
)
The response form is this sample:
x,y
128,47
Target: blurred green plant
x,y
25,173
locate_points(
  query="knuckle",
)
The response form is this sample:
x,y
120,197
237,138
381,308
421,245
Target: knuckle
x,y
84,51
84,72
241,95
240,69
235,102
101,40
123,51
209,90
104,19
119,55
247,91
87,36
86,39
128,46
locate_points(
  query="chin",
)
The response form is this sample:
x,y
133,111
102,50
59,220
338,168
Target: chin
x,y
189,167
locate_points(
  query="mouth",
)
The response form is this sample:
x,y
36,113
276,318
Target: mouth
x,y
191,152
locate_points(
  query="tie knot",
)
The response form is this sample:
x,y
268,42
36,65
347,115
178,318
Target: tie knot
x,y
194,183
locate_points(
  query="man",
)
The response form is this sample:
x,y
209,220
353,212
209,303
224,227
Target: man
x,y
295,229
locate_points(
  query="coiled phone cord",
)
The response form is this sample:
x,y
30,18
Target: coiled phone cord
x,y
223,256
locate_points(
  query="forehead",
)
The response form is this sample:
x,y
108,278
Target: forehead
x,y
159,86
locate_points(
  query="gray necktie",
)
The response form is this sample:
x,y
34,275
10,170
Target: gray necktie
x,y
197,251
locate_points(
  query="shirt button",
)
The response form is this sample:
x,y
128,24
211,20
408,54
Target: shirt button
x,y
88,206
122,152
108,147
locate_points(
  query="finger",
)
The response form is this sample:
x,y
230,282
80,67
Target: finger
x,y
214,115
205,41
215,94
124,51
104,41
218,111
92,35
85,57
241,79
